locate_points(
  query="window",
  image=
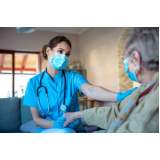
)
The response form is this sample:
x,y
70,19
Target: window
x,y
5,75
16,68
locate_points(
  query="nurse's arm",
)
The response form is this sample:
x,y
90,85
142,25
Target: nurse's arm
x,y
98,93
39,121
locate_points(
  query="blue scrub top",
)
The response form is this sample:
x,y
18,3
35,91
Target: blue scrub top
x,y
56,88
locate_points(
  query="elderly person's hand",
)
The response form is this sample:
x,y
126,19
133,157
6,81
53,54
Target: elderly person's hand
x,y
71,117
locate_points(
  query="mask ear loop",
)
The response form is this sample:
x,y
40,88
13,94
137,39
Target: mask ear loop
x,y
48,56
136,68
129,56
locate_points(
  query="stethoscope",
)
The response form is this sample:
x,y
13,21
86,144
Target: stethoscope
x,y
62,107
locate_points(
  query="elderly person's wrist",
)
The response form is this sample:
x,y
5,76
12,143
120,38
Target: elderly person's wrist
x,y
79,115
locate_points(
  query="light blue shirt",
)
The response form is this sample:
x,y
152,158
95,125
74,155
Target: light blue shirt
x,y
55,88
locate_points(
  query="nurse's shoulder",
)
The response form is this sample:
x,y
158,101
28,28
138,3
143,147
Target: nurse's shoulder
x,y
34,81
30,98
72,74
75,78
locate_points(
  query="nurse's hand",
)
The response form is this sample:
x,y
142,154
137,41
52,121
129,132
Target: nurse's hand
x,y
121,96
71,117
59,122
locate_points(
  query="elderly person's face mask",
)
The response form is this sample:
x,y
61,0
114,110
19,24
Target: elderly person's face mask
x,y
131,75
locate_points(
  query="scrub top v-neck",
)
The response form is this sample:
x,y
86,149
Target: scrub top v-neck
x,y
56,88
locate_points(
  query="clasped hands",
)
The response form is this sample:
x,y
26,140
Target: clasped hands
x,y
66,119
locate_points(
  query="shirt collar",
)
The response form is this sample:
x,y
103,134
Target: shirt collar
x,y
58,76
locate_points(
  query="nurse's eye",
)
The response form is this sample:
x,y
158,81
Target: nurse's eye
x,y
60,51
67,54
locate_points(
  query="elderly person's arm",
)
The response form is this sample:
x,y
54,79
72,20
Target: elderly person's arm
x,y
144,118
98,116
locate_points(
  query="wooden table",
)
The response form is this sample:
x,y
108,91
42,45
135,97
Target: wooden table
x,y
91,102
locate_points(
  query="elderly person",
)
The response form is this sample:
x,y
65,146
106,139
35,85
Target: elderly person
x,y
139,112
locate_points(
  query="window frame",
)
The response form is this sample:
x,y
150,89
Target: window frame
x,y
13,52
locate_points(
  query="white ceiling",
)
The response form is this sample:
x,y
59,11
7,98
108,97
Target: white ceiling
x,y
74,30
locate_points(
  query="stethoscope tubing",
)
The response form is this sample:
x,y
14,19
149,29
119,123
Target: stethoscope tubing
x,y
47,93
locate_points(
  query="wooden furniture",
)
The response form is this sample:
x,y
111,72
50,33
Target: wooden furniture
x,y
91,102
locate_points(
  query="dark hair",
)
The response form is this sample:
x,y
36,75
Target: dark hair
x,y
53,43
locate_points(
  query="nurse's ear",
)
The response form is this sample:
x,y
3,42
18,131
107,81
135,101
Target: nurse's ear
x,y
48,50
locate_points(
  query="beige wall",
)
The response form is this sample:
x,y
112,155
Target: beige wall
x,y
95,47
98,54
11,40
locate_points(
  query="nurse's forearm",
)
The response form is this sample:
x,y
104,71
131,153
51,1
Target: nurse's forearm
x,y
102,94
44,123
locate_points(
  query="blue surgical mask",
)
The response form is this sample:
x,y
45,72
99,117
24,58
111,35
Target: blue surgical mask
x,y
131,75
59,61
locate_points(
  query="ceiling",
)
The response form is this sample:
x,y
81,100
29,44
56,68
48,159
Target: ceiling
x,y
74,30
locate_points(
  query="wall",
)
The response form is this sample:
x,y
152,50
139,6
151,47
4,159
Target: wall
x,y
98,54
11,40
96,48
124,81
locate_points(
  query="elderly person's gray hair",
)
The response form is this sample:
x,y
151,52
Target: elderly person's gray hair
x,y
144,40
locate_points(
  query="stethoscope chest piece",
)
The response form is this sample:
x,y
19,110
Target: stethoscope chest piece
x,y
63,107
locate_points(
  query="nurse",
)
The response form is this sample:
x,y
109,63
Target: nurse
x,y
53,92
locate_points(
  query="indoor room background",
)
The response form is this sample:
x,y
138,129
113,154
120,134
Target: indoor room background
x,y
94,47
